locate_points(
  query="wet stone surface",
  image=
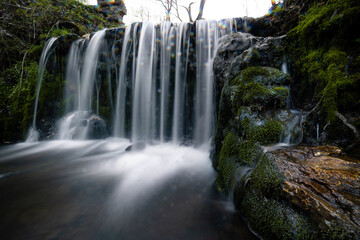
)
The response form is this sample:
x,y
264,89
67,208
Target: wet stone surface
x,y
323,182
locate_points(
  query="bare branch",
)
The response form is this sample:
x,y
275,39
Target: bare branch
x,y
188,9
201,10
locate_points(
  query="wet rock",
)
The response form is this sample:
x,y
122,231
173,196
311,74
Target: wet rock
x,y
342,132
136,147
253,106
82,125
240,50
323,183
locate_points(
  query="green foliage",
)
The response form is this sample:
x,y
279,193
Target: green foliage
x,y
18,95
25,27
24,23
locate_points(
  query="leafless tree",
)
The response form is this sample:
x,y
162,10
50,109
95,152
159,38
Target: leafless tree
x,y
172,7
201,10
168,5
143,14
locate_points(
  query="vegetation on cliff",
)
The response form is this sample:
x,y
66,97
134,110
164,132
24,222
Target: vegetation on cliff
x,y
24,27
325,56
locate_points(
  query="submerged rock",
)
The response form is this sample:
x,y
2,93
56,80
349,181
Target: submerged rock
x,y
82,125
136,147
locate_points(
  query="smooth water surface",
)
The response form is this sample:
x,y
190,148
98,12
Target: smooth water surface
x,y
97,190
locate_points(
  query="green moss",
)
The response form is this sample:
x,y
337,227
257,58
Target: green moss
x,y
228,161
266,216
336,232
304,228
260,86
235,153
267,178
322,47
267,133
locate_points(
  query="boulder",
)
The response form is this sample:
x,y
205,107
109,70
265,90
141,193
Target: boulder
x,y
240,50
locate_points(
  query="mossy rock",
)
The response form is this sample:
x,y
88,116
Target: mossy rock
x,y
261,86
235,153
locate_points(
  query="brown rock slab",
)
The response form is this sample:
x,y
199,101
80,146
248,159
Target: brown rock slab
x,y
324,183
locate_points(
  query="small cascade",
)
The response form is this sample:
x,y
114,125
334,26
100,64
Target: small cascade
x,y
206,45
80,80
88,71
73,75
284,67
293,132
317,132
227,26
33,135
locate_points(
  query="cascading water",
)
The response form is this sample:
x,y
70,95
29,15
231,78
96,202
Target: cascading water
x,y
182,60
156,99
33,134
119,121
207,37
143,103
89,70
80,80
167,40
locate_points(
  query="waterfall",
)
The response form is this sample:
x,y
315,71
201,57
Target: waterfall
x,y
143,104
80,80
119,122
33,135
182,59
167,40
164,86
206,46
89,70
73,74
293,132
